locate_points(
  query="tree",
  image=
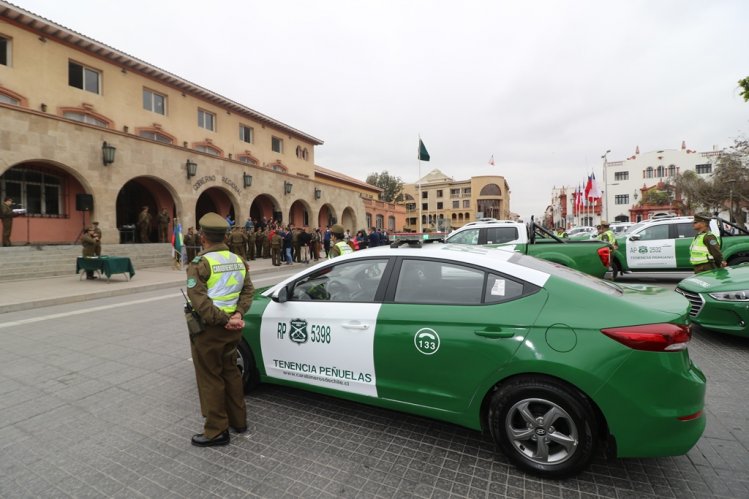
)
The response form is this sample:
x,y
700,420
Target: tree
x,y
391,185
744,84
727,187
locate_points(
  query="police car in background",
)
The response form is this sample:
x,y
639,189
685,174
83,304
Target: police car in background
x,y
492,340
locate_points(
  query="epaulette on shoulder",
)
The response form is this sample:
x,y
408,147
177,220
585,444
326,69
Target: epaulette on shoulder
x,y
196,259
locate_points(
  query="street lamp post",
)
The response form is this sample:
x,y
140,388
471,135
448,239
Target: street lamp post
x,y
605,194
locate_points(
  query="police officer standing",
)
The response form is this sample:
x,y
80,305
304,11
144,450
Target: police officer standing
x,y
144,225
338,244
704,252
220,291
97,235
89,242
276,241
606,234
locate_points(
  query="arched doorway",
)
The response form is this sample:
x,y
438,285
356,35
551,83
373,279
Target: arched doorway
x,y
142,192
348,219
264,206
215,200
326,217
48,192
299,213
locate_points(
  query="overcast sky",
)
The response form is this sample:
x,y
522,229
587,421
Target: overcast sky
x,y
544,86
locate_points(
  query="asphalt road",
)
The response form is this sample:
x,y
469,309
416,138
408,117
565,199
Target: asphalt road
x,y
98,399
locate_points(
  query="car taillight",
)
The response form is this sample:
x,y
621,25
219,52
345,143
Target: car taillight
x,y
605,255
652,337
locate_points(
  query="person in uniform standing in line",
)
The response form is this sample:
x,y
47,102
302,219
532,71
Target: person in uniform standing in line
x,y
326,241
259,235
6,213
276,241
89,242
237,242
338,244
190,244
704,252
251,236
220,291
163,226
144,225
266,242
97,233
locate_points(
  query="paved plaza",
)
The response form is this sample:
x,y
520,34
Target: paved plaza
x,y
98,399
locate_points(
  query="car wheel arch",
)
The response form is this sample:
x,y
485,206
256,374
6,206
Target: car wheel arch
x,y
602,424
247,365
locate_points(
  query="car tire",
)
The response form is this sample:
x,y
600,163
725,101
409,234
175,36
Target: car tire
x,y
738,260
543,426
247,367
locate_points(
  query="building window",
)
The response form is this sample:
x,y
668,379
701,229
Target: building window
x,y
466,203
301,153
4,51
380,222
154,102
706,168
369,220
84,78
208,149
7,99
466,191
439,193
454,193
157,136
660,171
84,117
648,172
39,192
439,206
672,170
424,206
410,206
456,204
621,199
276,144
207,120
391,224
245,133
424,194
490,190
248,160
621,175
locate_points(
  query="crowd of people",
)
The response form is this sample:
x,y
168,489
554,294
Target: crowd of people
x,y
286,243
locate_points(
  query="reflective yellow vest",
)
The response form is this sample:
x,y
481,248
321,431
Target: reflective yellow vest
x,y
343,247
227,278
698,252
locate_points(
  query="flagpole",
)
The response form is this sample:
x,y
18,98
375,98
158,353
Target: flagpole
x,y
418,183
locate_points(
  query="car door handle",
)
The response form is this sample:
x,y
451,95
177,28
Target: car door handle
x,y
494,335
355,325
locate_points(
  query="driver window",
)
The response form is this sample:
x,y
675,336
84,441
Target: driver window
x,y
351,282
654,233
470,236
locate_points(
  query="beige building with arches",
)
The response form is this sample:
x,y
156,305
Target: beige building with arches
x,y
88,132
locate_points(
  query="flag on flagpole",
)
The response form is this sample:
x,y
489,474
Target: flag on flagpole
x,y
588,187
423,154
177,240
595,191
491,160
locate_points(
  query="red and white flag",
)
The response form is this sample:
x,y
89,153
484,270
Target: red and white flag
x,y
595,191
491,160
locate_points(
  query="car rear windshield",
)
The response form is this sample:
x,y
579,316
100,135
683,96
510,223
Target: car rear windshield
x,y
566,273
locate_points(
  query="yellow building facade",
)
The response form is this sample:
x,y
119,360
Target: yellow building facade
x,y
446,204
88,132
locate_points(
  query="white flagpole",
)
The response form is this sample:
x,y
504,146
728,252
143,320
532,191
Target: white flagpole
x,y
418,182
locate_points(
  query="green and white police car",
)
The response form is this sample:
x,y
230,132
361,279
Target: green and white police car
x,y
551,362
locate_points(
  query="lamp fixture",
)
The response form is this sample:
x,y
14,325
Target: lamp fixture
x,y
192,168
107,153
247,180
318,193
287,187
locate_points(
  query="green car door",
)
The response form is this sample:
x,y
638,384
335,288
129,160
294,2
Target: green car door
x,y
445,331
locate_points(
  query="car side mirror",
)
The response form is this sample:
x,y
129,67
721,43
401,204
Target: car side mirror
x,y
281,296
634,237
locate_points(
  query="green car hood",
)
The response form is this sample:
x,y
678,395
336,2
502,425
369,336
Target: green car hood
x,y
725,279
